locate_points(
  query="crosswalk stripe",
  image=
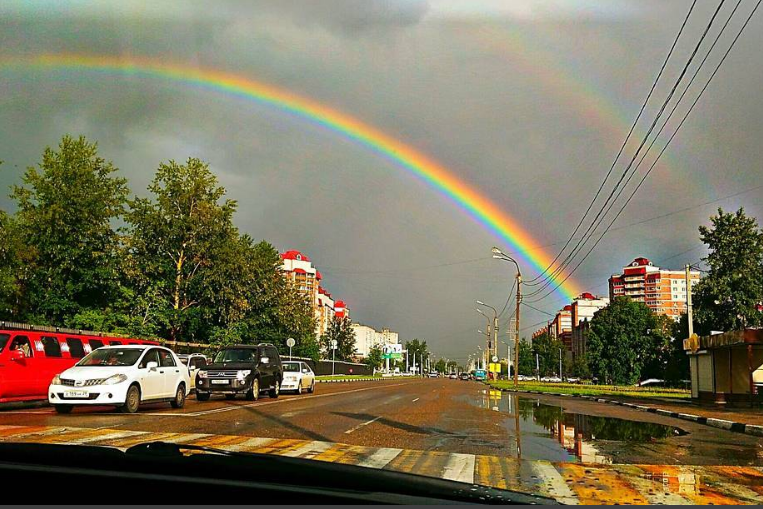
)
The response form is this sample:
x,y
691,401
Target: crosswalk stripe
x,y
380,458
309,450
249,445
555,486
460,467
105,437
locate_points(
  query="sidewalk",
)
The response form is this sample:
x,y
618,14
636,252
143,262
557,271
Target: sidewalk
x,y
738,419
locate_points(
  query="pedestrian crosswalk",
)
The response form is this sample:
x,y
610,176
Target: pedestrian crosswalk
x,y
570,483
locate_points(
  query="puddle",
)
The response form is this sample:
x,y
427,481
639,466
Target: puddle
x,y
548,432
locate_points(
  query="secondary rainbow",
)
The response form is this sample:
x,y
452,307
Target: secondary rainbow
x,y
476,205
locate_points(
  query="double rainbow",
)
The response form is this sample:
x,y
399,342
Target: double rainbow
x,y
475,204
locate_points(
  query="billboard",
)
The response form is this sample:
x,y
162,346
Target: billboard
x,y
393,351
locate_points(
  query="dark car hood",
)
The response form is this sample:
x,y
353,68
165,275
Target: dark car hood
x,y
229,366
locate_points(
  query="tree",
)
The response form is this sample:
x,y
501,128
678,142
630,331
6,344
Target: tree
x,y
341,331
66,210
374,359
547,349
526,358
729,296
440,366
14,259
624,339
179,238
451,366
417,348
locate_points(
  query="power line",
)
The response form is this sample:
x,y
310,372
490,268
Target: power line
x,y
538,310
601,214
654,163
625,142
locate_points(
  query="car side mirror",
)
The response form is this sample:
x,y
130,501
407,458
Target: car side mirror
x,y
305,371
17,355
264,360
152,365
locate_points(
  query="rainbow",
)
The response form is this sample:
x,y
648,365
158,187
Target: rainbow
x,y
476,205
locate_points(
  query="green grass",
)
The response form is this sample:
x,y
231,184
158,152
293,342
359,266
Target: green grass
x,y
595,390
348,377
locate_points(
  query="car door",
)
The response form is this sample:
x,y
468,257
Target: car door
x,y
151,380
307,378
275,363
171,372
20,376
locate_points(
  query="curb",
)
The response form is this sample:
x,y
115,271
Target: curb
x,y
334,380
737,427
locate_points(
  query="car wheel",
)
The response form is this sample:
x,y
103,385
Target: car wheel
x,y
202,396
275,390
230,396
64,409
179,400
254,393
311,389
132,400
299,388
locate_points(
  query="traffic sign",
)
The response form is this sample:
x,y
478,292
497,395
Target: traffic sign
x,y
290,342
495,358
334,344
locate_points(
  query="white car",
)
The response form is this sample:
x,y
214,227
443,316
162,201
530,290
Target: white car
x,y
297,377
125,376
193,361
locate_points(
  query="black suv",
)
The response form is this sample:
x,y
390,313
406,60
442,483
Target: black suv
x,y
241,369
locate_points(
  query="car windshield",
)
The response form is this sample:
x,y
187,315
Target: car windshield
x,y
111,357
236,355
292,366
514,243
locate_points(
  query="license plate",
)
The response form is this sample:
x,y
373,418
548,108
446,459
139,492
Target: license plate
x,y
220,382
75,394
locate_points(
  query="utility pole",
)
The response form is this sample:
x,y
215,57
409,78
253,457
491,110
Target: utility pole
x,y
516,332
537,367
689,311
560,364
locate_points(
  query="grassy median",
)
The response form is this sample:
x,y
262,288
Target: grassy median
x,y
356,377
594,390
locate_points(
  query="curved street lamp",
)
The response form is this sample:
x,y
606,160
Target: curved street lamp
x,y
500,255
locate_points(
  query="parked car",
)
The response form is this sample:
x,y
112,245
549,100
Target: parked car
x,y
241,369
433,374
193,361
30,356
298,377
465,376
573,380
125,376
453,376
480,374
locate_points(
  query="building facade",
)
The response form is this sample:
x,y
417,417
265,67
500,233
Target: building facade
x,y
583,308
367,337
662,290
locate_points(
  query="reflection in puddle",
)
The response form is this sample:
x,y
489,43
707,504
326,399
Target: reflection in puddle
x,y
544,431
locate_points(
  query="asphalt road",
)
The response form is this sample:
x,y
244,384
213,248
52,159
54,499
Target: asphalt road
x,y
443,415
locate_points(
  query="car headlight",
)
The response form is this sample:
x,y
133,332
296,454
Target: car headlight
x,y
241,375
56,380
115,379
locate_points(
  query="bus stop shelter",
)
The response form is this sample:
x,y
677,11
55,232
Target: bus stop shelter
x,y
726,367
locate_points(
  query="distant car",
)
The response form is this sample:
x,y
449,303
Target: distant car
x,y
453,376
125,376
433,374
651,381
465,376
297,377
573,380
480,375
193,361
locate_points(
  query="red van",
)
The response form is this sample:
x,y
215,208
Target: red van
x,y
31,356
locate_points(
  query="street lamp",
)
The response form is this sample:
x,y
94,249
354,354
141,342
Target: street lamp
x,y
508,357
500,255
495,324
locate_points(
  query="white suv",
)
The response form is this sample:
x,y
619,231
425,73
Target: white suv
x,y
125,376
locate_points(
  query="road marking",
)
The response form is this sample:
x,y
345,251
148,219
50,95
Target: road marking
x,y
557,488
309,450
252,443
460,467
380,458
105,437
361,425
415,400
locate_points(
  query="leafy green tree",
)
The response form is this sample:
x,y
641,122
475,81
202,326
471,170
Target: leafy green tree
x,y
625,338
417,348
727,298
451,367
548,349
14,260
374,359
67,207
526,358
181,239
341,331
440,365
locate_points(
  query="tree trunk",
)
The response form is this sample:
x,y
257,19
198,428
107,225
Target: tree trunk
x,y
175,329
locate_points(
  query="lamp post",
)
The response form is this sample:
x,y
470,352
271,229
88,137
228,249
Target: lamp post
x,y
495,326
508,357
500,255
480,355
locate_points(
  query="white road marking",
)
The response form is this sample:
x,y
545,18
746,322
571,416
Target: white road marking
x,y
309,450
380,458
556,487
108,436
252,443
415,400
356,428
188,437
460,467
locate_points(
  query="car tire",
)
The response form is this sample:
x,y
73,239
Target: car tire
x,y
273,393
132,400
202,396
230,396
253,394
179,401
311,389
64,409
299,388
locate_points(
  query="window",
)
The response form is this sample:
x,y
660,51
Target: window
x,y
22,343
95,343
115,342
4,340
52,346
76,349
198,362
111,357
151,356
165,359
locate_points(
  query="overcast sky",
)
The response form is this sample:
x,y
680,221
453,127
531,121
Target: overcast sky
x,y
528,101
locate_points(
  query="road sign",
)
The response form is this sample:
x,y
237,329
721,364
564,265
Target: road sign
x,y
290,342
334,344
494,367
495,358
